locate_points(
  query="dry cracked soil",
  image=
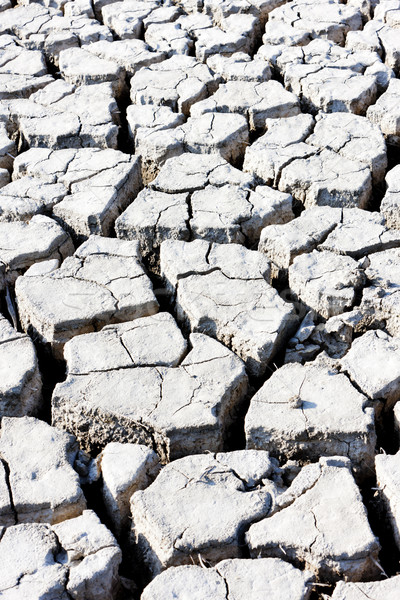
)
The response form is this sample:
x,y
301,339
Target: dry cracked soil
x,y
199,299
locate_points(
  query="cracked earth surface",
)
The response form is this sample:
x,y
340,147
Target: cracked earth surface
x,y
199,299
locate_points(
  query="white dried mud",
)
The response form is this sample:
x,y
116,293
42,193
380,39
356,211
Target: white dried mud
x,y
78,558
202,198
117,390
42,483
218,495
224,291
21,382
199,290
103,282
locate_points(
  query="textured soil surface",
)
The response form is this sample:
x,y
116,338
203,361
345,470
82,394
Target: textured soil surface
x,y
199,299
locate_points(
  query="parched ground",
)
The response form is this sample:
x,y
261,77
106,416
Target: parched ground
x,y
199,299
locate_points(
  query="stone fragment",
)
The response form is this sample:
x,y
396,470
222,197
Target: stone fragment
x,y
225,134
333,337
280,34
259,8
271,207
256,101
194,23
140,387
390,205
386,113
77,558
306,329
190,172
125,469
164,13
44,486
230,215
57,4
304,412
17,60
282,143
98,185
29,565
103,282
243,577
20,380
373,363
78,8
388,12
327,179
239,67
41,268
387,477
177,82
22,71
326,282
217,495
154,217
176,581
60,116
320,522
366,39
127,345
277,578
387,589
301,353
78,66
23,244
223,290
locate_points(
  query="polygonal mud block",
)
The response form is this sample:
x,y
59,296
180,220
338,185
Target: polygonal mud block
x,y
326,282
141,388
43,484
320,522
26,243
218,497
288,417
74,559
223,290
20,380
373,364
243,577
103,282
